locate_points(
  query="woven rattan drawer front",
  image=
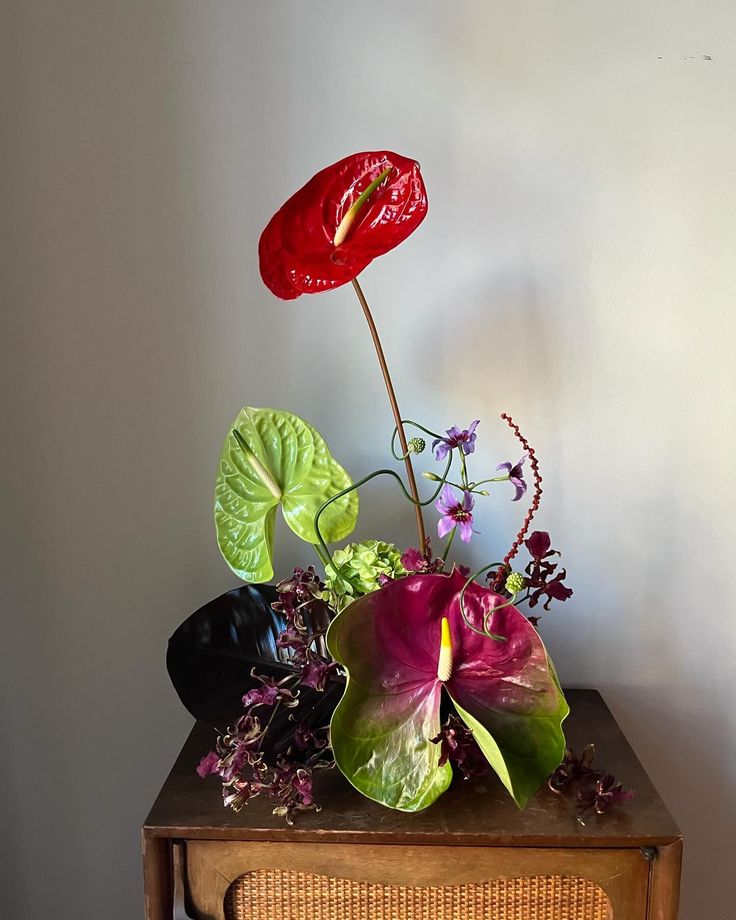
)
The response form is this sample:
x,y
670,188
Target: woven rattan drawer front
x,y
276,894
301,881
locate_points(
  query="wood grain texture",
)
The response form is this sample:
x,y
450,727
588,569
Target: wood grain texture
x,y
213,865
664,891
157,880
475,813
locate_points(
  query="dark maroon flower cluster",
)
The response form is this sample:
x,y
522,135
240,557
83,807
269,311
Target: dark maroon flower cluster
x,y
244,772
300,601
421,561
459,747
594,790
239,758
542,578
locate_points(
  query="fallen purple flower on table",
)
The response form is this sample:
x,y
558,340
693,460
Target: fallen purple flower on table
x,y
464,439
236,793
455,513
601,792
572,768
593,789
516,476
292,789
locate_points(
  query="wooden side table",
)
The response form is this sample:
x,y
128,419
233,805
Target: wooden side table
x,y
471,856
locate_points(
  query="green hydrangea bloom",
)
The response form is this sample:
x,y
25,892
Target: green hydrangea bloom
x,y
356,569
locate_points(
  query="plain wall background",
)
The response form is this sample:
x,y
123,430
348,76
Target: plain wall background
x,y
576,269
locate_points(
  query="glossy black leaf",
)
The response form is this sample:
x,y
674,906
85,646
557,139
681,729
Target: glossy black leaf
x,y
212,653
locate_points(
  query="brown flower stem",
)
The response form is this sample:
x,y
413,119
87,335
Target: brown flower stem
x,y
395,409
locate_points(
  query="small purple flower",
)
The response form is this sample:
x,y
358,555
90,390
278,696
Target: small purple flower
x,y
208,765
235,794
239,747
269,693
464,439
516,476
455,513
292,789
305,739
416,561
316,673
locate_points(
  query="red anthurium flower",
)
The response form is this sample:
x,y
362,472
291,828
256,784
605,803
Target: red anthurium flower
x,y
343,218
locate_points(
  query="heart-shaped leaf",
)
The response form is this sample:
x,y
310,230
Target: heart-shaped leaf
x,y
211,656
271,457
506,691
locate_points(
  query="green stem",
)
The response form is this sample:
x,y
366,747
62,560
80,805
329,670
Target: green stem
x,y
356,485
495,479
448,544
485,631
325,560
463,470
408,421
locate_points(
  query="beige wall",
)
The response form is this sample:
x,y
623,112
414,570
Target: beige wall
x,y
576,269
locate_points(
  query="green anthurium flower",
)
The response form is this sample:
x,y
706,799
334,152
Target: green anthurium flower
x,y
271,458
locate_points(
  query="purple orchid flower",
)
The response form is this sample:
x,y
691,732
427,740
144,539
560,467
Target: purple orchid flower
x,y
208,765
316,673
455,513
516,476
269,693
464,439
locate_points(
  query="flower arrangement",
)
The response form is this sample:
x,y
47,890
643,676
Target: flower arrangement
x,y
395,667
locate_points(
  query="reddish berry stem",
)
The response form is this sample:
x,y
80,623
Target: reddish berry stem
x,y
534,464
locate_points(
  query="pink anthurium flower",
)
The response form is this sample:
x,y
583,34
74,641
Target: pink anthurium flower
x,y
403,647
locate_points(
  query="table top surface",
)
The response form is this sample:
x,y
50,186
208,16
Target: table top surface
x,y
476,812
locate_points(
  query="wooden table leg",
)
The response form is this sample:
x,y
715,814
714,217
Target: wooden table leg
x,y
157,877
664,890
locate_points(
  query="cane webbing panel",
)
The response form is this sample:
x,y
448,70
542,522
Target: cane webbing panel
x,y
275,894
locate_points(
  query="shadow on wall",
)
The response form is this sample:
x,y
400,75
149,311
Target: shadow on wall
x,y
696,785
506,335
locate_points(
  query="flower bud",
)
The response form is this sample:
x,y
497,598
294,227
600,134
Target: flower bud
x,y
515,583
416,445
433,476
